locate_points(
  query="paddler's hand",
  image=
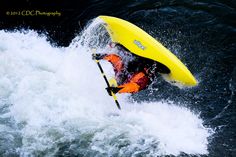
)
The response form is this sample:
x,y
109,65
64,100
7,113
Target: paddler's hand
x,y
113,89
97,56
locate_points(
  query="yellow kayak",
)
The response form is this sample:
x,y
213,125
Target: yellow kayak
x,y
142,44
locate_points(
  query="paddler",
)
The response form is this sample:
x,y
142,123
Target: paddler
x,y
132,73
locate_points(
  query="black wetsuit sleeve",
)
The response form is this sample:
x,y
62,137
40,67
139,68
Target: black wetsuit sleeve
x,y
98,56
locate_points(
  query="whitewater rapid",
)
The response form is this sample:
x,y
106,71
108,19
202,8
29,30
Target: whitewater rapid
x,y
57,103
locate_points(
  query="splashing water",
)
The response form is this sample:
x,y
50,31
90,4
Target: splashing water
x,y
57,104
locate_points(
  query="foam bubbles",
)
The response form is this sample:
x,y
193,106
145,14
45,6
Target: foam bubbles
x,y
58,95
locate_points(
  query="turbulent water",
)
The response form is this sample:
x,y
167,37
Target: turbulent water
x,y
53,101
54,98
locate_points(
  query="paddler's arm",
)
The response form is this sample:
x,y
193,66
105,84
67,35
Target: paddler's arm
x,y
125,88
137,83
129,88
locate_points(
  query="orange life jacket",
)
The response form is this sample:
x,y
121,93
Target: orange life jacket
x,y
136,83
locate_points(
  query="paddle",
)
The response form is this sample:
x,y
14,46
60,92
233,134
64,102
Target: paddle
x,y
108,85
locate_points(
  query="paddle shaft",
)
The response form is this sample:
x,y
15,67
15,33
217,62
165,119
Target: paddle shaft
x,y
108,85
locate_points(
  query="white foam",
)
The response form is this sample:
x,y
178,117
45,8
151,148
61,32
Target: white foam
x,y
61,90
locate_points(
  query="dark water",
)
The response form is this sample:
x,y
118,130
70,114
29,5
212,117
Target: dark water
x,y
201,33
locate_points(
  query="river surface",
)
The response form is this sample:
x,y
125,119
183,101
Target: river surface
x,y
52,96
